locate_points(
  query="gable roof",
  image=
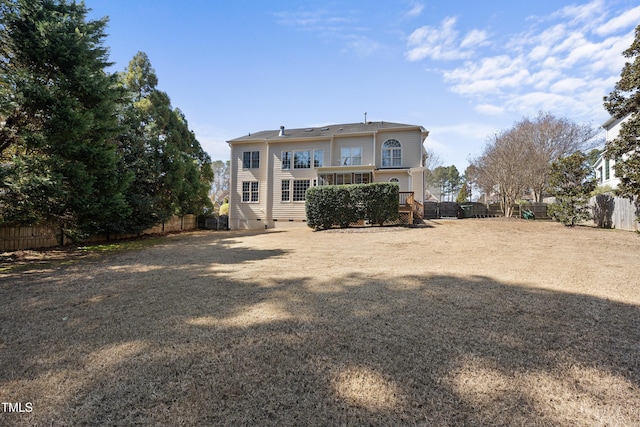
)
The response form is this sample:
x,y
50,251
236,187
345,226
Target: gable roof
x,y
327,131
613,121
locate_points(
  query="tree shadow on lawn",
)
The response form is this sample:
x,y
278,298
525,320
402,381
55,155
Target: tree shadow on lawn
x,y
114,343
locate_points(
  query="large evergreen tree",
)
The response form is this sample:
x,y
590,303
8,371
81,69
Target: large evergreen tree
x,y
624,101
447,180
59,119
571,181
172,174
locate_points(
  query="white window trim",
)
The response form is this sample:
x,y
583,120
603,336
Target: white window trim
x,y
250,192
290,191
350,157
282,160
310,152
321,158
391,157
251,165
293,189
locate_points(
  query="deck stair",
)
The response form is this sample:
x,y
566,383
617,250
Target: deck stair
x,y
410,207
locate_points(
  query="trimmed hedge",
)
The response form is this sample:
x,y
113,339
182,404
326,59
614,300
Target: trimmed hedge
x,y
341,205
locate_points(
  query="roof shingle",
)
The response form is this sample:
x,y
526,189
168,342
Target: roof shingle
x,y
322,131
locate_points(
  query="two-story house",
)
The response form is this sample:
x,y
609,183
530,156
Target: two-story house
x,y
604,168
271,170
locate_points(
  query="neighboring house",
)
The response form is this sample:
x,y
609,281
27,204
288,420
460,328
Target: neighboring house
x,y
271,170
605,170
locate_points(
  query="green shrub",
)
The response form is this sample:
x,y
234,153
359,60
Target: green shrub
x,y
377,202
341,205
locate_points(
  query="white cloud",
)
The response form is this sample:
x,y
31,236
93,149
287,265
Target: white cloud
x,y
590,13
489,76
538,53
334,26
564,63
416,9
490,110
316,20
628,19
361,46
436,42
474,38
568,85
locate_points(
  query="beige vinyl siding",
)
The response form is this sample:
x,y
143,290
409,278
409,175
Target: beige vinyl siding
x,y
365,142
417,184
284,211
411,142
402,176
249,213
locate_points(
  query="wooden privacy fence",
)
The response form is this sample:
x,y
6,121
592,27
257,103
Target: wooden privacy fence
x,y
538,209
434,210
18,238
22,238
615,212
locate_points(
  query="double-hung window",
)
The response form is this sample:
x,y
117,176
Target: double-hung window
x,y
318,158
302,159
250,159
250,192
286,160
391,153
286,191
351,156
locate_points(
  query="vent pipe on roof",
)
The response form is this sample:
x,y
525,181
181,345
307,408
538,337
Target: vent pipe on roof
x,y
281,131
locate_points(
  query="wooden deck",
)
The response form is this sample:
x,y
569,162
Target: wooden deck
x,y
409,206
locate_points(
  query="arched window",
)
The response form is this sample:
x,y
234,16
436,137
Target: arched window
x,y
391,153
395,181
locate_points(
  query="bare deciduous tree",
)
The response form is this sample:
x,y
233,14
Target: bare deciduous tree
x,y
548,138
499,169
518,160
220,184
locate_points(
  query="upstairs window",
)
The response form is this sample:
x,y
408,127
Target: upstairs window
x,y
250,159
286,160
391,153
302,159
351,156
318,158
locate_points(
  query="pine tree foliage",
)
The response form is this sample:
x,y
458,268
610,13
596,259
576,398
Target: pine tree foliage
x,y
624,102
172,174
571,182
59,117
80,148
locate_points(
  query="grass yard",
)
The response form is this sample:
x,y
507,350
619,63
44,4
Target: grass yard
x,y
471,322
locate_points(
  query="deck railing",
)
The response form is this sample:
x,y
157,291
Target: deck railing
x,y
408,204
406,198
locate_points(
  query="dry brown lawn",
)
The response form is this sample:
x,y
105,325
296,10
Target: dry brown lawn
x,y
471,322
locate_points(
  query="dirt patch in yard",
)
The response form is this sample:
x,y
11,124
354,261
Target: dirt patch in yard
x,y
471,322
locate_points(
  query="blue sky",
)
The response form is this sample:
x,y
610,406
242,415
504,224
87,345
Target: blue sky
x,y
463,69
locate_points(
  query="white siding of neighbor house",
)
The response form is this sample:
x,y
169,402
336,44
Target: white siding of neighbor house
x,y
285,211
248,215
411,147
612,130
601,175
